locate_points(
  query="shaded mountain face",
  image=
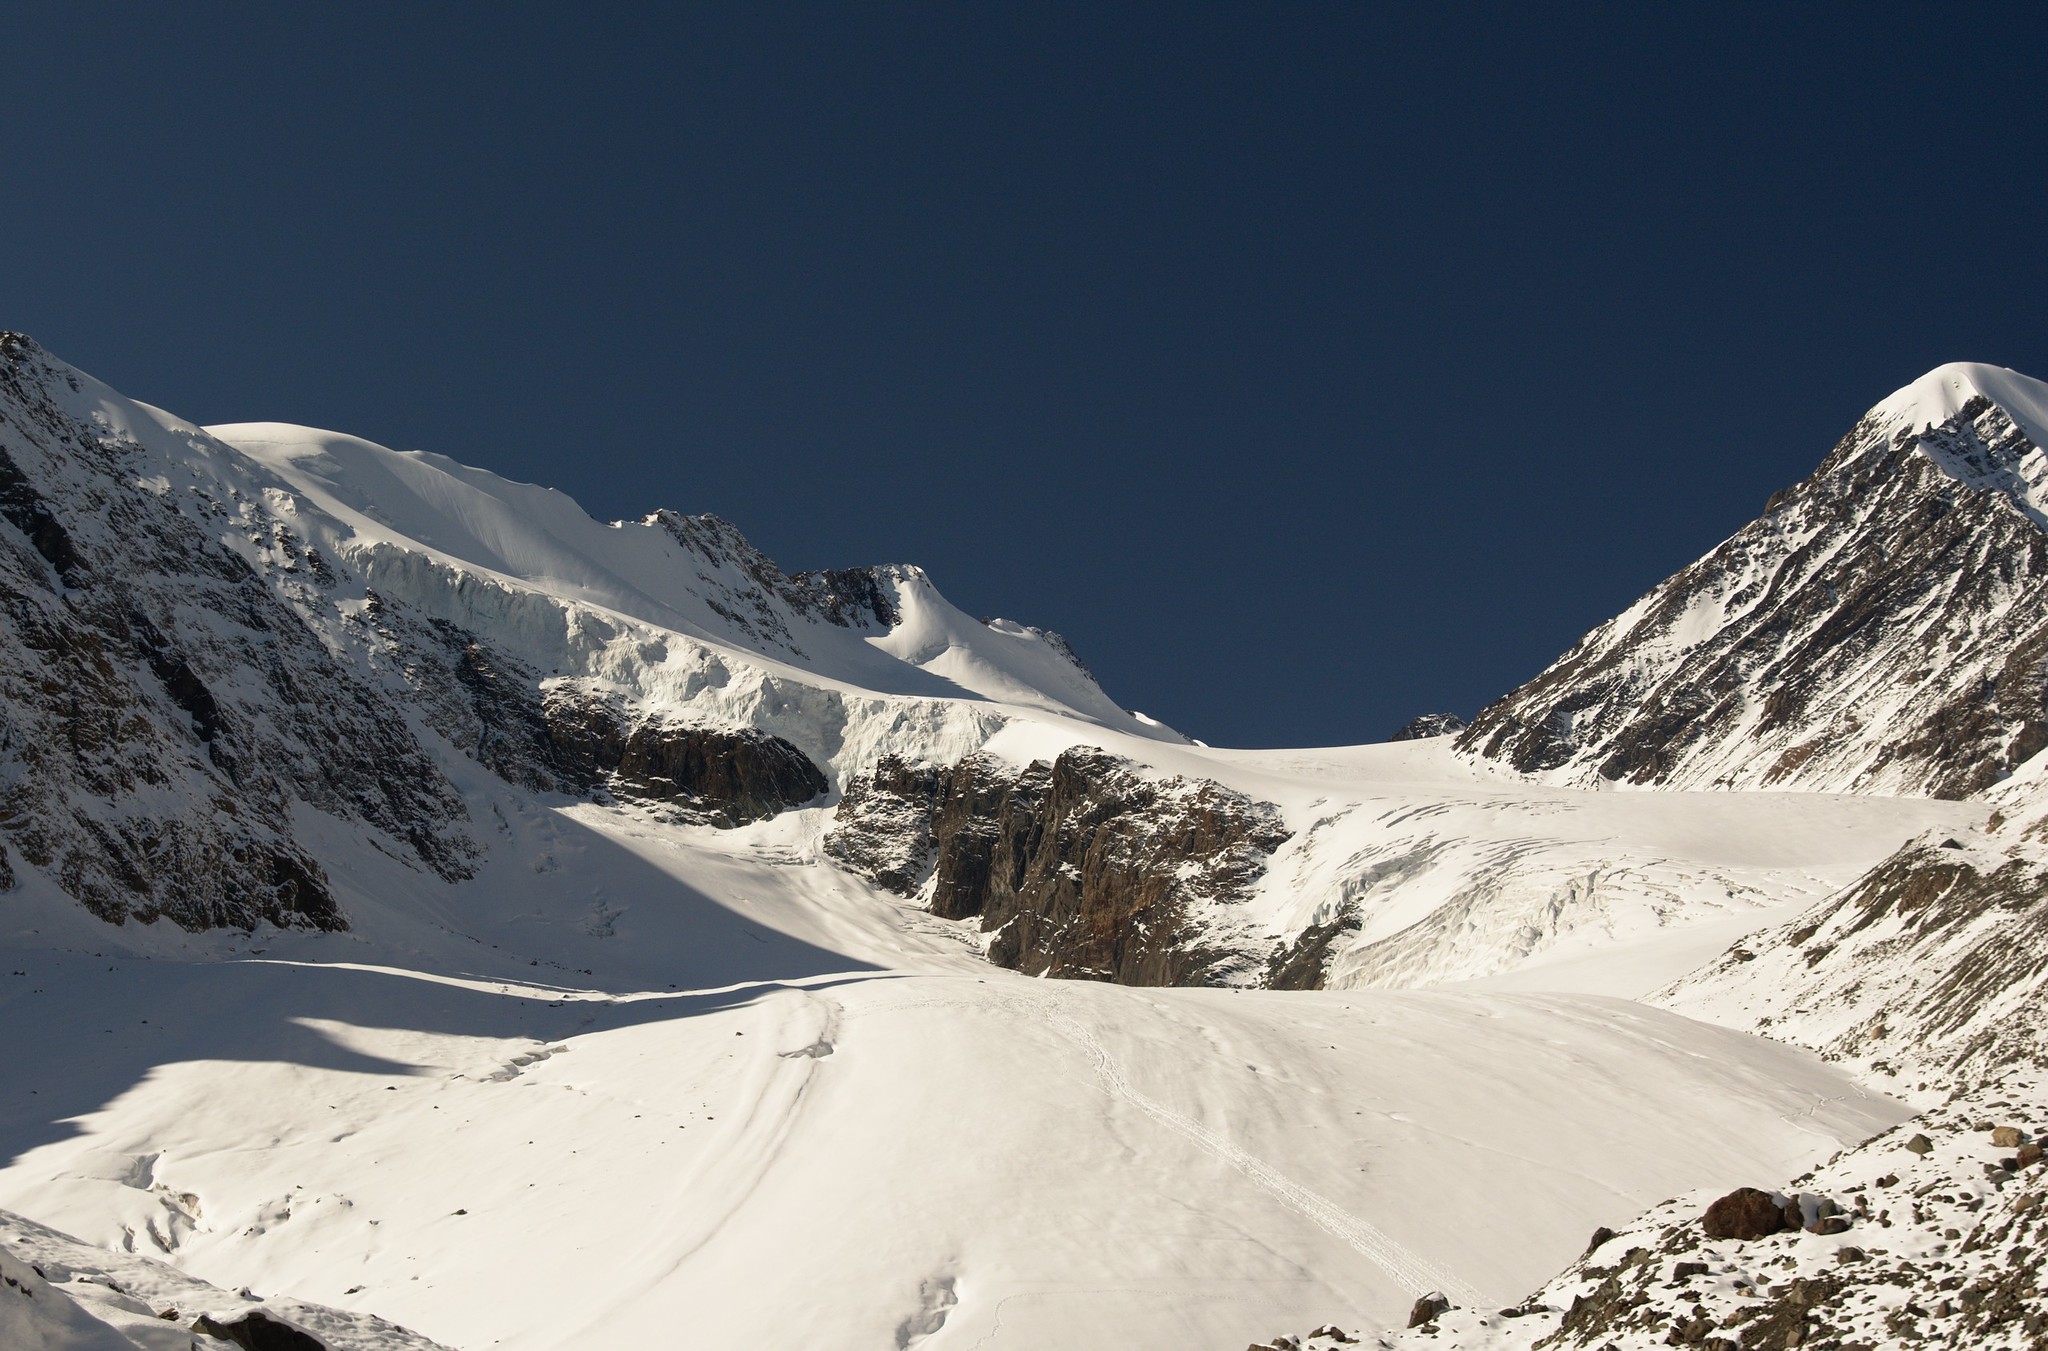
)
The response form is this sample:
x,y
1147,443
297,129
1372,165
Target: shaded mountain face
x,y
166,707
185,673
1883,627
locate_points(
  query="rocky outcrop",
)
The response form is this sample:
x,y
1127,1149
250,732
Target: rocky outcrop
x,y
762,600
1082,867
1304,963
258,1331
722,778
1882,627
1429,725
1745,1213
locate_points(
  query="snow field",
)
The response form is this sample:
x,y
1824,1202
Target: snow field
x,y
871,1158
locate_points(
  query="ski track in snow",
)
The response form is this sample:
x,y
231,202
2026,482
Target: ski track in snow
x,y
1404,1265
1409,1269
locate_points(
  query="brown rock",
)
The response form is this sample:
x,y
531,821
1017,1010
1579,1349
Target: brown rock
x,y
2007,1137
1744,1213
1426,1309
257,1331
1920,1144
2030,1153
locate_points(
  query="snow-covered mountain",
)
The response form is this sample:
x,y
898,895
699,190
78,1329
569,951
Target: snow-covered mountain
x,y
280,648
1883,627
409,879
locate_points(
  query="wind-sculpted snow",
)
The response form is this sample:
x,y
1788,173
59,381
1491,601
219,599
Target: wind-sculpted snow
x,y
1882,628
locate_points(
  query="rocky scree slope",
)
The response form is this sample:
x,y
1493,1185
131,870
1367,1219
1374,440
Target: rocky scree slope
x,y
1929,1234
1883,627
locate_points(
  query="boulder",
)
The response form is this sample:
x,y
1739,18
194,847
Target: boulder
x,y
1426,1309
2007,1137
258,1331
1920,1144
1745,1213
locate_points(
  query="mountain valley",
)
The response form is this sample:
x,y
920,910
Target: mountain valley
x,y
407,880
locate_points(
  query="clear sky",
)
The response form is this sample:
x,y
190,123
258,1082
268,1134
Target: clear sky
x,y
1309,367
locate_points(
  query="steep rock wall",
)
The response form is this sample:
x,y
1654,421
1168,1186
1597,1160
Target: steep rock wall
x,y
1081,867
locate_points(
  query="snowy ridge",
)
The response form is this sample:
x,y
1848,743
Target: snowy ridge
x,y
478,550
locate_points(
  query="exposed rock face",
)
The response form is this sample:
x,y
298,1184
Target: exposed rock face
x,y
1883,627
258,1331
849,597
1429,725
723,778
1304,963
164,706
1081,868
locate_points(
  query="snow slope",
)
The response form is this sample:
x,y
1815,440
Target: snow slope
x,y
860,1157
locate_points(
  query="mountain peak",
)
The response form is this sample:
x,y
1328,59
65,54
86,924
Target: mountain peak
x,y
1946,391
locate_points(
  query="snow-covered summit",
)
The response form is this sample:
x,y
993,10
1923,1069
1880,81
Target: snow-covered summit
x,y
2007,456
1945,391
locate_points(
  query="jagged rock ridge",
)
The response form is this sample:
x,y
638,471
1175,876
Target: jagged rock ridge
x,y
1429,725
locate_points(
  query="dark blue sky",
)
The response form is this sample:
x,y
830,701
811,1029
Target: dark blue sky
x,y
1308,366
